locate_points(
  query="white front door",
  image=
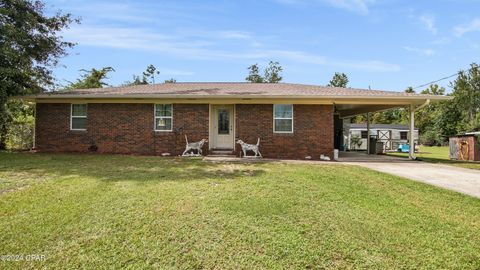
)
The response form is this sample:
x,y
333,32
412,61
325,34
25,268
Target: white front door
x,y
222,128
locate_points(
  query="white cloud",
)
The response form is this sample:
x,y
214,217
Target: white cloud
x,y
473,26
369,65
102,11
441,40
303,57
206,48
426,52
357,6
175,72
235,35
428,21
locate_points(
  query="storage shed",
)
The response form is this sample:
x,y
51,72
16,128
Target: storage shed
x,y
465,147
391,135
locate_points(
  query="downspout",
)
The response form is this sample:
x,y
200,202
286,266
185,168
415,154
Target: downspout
x,y
423,105
368,133
411,149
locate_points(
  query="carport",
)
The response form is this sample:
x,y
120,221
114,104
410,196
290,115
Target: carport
x,y
347,108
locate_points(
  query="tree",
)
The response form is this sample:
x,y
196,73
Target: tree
x,y
466,90
434,89
391,116
448,119
426,118
91,79
339,80
272,72
172,80
410,90
136,81
30,46
253,74
150,73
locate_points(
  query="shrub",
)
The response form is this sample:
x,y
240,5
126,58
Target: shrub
x,y
20,134
355,141
20,125
431,138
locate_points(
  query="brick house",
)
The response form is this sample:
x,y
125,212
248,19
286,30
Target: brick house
x,y
292,120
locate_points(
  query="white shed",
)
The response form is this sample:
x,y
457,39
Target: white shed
x,y
390,135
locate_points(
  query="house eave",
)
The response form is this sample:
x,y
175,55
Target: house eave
x,y
313,99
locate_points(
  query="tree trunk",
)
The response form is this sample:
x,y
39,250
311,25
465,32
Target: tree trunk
x,y
3,134
3,118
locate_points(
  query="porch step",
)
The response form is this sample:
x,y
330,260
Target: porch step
x,y
222,153
221,156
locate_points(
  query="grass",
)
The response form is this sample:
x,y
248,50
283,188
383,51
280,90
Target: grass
x,y
100,211
439,154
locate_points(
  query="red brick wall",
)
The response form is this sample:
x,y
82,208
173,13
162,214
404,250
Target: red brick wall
x,y
52,130
128,129
312,133
119,128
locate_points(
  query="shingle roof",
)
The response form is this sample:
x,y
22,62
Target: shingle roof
x,y
213,89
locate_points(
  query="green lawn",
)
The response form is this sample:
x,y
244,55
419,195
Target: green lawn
x,y
439,154
94,211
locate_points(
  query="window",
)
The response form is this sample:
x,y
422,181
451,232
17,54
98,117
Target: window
x,y
364,134
78,117
403,135
223,121
163,117
283,118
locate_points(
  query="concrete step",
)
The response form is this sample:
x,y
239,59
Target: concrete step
x,y
221,152
221,156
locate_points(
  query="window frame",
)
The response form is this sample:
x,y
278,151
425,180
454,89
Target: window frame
x,y
403,132
284,118
76,116
162,117
364,132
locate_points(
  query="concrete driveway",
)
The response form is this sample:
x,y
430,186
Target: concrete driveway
x,y
462,180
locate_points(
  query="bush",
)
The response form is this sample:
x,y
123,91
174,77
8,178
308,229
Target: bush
x,y
20,134
20,125
431,138
355,141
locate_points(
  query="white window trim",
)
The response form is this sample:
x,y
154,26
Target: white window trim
x,y
71,116
288,118
155,118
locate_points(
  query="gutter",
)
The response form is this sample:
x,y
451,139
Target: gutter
x,y
245,97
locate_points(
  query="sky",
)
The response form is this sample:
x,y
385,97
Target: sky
x,y
388,45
